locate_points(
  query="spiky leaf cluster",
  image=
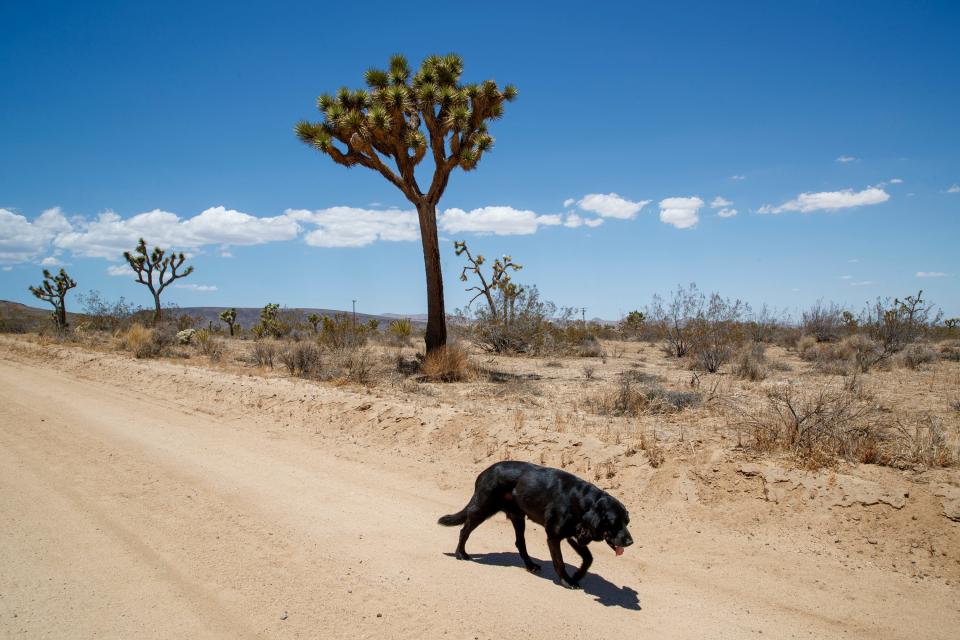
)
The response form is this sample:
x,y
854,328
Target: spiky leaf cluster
x,y
401,115
54,287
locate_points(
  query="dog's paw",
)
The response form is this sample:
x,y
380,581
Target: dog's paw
x,y
570,585
533,568
463,555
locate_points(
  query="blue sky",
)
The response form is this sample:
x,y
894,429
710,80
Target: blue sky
x,y
830,128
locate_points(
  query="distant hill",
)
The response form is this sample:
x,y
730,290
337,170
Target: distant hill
x,y
20,317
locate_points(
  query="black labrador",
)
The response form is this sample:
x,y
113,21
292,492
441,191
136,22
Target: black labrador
x,y
563,504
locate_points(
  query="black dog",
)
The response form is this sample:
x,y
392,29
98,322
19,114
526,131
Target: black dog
x,y
563,504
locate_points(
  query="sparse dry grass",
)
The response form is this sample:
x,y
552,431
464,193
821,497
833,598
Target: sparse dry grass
x,y
447,364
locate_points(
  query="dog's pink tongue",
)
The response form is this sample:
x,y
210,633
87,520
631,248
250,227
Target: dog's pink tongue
x,y
619,551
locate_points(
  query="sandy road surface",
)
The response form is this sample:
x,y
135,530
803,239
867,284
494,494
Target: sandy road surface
x,y
125,517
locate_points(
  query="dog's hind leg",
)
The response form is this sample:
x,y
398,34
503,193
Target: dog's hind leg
x,y
477,512
557,556
585,555
519,523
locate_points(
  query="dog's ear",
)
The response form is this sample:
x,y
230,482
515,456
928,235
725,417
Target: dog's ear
x,y
589,527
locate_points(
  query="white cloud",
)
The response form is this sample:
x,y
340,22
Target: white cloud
x,y
720,203
727,213
846,159
7,268
569,202
120,270
683,213
954,188
610,205
49,261
22,240
896,181
738,177
353,227
846,277
861,283
109,235
196,287
573,221
830,200
501,221
931,274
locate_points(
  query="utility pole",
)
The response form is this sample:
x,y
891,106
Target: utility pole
x,y
354,315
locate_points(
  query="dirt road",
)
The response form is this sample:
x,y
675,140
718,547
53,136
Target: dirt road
x,y
124,516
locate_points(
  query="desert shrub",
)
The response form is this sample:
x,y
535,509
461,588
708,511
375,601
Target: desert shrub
x,y
898,323
915,355
301,359
672,319
340,332
921,440
357,366
138,340
863,351
185,336
446,364
823,321
633,397
208,344
715,333
764,325
650,446
950,350
401,328
751,363
818,426
634,326
105,315
524,329
263,352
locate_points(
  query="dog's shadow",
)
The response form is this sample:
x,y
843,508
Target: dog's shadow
x,y
603,591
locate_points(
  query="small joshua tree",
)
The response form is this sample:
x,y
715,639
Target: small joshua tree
x,y
229,316
314,321
499,281
54,290
156,270
402,117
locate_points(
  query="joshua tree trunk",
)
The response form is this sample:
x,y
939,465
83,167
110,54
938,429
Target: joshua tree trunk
x,y
156,308
436,335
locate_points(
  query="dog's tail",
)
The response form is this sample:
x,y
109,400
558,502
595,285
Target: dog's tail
x,y
454,519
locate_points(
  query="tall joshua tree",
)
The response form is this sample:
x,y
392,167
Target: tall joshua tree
x,y
156,270
54,290
397,120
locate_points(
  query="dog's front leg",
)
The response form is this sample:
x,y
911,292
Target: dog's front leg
x,y
557,556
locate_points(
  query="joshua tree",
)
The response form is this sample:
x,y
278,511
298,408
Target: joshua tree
x,y
499,280
54,290
230,317
314,321
145,265
399,119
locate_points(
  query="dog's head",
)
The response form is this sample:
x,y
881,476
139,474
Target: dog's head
x,y
606,520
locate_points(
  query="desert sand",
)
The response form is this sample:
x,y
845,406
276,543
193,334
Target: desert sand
x,y
161,499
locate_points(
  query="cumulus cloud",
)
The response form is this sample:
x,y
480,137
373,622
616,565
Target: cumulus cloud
x,y
610,205
49,261
954,188
501,221
573,221
931,274
569,202
683,213
720,202
353,227
120,270
846,159
727,213
196,287
22,240
829,201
